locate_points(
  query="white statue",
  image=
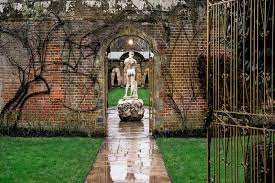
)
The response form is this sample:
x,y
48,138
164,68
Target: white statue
x,y
130,108
130,64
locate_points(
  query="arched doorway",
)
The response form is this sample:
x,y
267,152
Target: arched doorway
x,y
115,77
154,70
131,141
146,78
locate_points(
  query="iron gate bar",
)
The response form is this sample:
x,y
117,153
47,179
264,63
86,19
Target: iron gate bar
x,y
240,90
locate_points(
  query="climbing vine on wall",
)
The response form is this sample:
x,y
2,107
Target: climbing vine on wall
x,y
41,28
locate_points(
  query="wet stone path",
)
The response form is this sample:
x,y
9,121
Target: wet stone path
x,y
128,154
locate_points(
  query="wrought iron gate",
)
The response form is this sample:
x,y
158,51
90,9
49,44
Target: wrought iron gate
x,y
240,90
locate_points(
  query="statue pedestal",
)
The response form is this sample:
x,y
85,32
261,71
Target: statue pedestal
x,y
130,109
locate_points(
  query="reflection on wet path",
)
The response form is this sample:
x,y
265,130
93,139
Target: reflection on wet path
x,y
128,154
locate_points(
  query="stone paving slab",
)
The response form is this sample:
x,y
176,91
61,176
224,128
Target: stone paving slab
x,y
128,155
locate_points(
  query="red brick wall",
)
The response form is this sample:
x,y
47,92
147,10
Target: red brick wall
x,y
75,91
181,53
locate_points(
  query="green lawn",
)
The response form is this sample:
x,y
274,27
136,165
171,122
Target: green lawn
x,y
46,159
185,158
115,94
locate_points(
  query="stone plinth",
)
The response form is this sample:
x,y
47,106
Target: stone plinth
x,y
130,109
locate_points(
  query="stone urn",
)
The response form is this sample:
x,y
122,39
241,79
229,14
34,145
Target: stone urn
x,y
130,109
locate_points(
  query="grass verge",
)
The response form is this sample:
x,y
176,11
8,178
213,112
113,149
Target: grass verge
x,y
46,159
185,158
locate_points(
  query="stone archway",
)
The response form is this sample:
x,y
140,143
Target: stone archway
x,y
155,63
120,134
116,79
146,77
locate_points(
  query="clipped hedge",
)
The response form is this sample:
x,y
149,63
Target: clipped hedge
x,y
199,133
40,132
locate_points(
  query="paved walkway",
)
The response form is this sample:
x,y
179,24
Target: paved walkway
x,y
128,154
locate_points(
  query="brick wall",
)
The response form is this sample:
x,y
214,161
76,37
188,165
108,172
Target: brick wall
x,y
74,94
